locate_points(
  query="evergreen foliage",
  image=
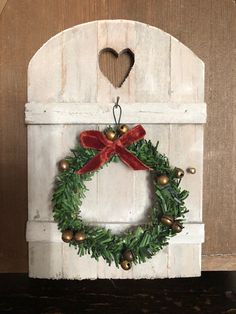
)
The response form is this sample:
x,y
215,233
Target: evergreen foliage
x,y
145,240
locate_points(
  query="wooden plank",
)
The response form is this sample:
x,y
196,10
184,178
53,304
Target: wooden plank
x,y
153,268
44,155
47,231
152,64
186,146
45,260
107,34
66,60
79,64
179,264
186,150
40,89
2,5
221,262
187,74
115,194
101,113
75,267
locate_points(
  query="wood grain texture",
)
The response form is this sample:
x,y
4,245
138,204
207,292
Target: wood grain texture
x,y
213,292
205,26
71,61
90,113
220,262
43,231
2,5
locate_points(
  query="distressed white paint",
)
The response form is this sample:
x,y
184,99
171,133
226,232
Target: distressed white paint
x,y
67,93
187,81
43,230
184,260
149,113
117,34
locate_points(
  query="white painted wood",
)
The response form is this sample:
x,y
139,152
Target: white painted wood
x,y
152,64
116,34
75,267
89,113
67,93
184,260
185,150
45,260
153,268
144,199
187,80
70,56
47,231
47,145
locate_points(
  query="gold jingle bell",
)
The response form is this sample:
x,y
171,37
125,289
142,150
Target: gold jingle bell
x,y
167,220
79,236
67,236
63,165
163,180
110,134
191,170
179,173
177,227
128,256
126,265
123,129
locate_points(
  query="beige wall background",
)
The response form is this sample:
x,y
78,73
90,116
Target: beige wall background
x,y
208,27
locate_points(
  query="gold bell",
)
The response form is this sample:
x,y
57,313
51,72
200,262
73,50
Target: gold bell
x,y
63,165
167,220
110,134
163,180
79,236
128,256
179,173
67,236
191,170
123,129
177,227
126,265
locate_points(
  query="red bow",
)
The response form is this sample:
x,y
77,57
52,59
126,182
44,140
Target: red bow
x,y
97,140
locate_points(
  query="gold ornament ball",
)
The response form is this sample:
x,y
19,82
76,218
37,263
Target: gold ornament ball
x,y
167,220
67,236
191,170
63,165
177,227
126,265
179,173
110,134
163,180
79,236
128,256
123,129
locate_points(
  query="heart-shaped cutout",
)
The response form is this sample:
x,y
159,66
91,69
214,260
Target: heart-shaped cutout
x,y
116,66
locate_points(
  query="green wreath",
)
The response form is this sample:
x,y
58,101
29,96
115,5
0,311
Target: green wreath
x,y
136,244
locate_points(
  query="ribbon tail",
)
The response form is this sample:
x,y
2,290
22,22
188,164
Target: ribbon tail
x,y
96,162
131,160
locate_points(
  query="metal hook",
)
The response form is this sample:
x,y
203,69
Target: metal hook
x,y
117,106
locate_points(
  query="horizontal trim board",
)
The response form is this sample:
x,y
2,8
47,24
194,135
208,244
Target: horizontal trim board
x,y
47,231
101,113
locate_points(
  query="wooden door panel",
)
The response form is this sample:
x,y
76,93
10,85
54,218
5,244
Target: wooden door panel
x,y
199,26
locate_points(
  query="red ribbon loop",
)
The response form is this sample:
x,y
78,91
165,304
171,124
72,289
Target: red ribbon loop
x,y
97,140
